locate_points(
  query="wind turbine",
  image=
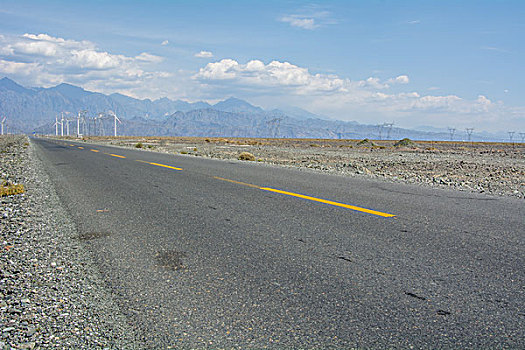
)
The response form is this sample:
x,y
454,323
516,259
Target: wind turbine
x,y
56,125
3,121
62,124
111,113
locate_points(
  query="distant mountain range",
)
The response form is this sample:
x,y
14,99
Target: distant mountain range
x,y
35,109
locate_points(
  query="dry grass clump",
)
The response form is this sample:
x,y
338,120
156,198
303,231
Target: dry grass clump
x,y
9,189
246,156
406,142
365,143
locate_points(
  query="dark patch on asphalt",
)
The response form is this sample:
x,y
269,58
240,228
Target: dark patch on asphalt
x,y
404,231
211,207
344,258
443,313
301,240
415,296
59,164
87,236
170,259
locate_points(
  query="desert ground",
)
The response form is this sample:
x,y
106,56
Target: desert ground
x,y
492,168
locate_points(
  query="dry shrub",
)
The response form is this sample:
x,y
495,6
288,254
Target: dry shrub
x,y
246,156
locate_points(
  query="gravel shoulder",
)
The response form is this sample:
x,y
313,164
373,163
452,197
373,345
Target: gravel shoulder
x,y
51,293
492,168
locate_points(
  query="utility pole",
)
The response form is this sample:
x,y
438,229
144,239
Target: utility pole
x,y
451,131
522,135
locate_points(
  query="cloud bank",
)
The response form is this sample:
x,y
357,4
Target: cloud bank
x,y
44,60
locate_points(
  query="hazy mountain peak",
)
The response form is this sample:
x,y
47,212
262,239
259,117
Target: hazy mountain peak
x,y
71,91
234,104
8,84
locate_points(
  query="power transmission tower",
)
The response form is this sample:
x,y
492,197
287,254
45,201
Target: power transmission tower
x,y
380,130
451,131
469,133
275,125
101,124
388,127
511,135
522,135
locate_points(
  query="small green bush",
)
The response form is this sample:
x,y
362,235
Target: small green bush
x,y
139,145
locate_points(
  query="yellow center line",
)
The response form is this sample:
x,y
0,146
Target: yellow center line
x,y
116,155
337,204
237,182
80,147
302,196
94,150
158,164
72,145
165,166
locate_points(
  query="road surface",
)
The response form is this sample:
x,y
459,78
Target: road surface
x,y
221,254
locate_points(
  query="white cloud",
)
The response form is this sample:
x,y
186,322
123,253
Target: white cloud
x,y
341,97
402,79
165,42
300,22
91,59
310,18
204,54
287,75
275,73
40,59
8,67
146,57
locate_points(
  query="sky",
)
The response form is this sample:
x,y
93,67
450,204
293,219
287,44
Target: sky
x,y
414,63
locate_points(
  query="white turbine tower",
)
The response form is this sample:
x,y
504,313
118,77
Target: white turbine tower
x,y
78,124
111,113
62,124
3,121
57,123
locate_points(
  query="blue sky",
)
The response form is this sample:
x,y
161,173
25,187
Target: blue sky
x,y
437,63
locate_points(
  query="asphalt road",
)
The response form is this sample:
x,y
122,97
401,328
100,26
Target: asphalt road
x,y
226,254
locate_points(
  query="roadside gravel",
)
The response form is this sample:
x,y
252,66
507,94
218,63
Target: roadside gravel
x,y
51,294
